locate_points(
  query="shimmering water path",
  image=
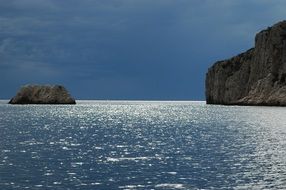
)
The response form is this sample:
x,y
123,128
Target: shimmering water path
x,y
142,145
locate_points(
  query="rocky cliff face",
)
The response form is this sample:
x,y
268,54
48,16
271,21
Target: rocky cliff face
x,y
256,77
40,94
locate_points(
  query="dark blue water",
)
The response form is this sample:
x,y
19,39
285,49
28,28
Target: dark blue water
x,y
142,145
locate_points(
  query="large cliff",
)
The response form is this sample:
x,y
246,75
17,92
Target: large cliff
x,y
256,77
42,94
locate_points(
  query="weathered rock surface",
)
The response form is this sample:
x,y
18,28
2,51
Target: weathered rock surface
x,y
42,94
256,77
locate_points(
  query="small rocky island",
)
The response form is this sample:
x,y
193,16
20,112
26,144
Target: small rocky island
x,y
42,94
255,77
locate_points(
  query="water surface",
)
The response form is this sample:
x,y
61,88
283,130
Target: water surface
x,y
142,145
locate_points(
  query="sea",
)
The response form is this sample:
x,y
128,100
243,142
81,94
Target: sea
x,y
141,145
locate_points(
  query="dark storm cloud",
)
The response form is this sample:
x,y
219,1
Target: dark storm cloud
x,y
125,49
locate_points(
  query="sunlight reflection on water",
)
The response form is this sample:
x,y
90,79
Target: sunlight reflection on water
x,y
142,145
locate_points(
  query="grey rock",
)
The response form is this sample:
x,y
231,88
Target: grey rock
x,y
256,77
42,94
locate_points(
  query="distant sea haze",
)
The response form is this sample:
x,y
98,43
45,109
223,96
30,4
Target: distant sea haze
x,y
141,145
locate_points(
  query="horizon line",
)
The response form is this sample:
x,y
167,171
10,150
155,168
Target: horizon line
x,y
134,100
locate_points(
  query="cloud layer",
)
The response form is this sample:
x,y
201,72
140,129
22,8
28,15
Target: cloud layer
x,y
125,49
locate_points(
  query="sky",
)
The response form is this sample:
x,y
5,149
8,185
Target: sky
x,y
125,49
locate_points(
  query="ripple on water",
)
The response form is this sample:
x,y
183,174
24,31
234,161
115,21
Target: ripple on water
x,y
142,145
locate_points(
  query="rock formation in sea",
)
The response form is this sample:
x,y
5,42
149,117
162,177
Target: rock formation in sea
x,y
255,77
42,94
